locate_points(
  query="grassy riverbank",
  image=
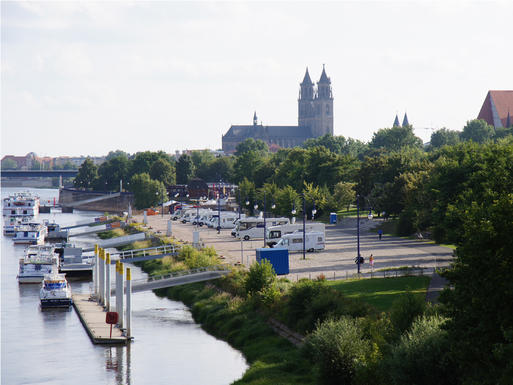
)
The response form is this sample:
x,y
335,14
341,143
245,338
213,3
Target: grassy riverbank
x,y
354,329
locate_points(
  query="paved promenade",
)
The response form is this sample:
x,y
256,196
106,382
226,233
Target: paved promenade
x,y
336,260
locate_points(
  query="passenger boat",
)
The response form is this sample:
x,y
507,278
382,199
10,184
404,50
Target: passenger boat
x,y
31,233
21,205
13,223
55,291
72,261
38,261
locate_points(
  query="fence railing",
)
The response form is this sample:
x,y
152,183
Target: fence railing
x,y
157,250
182,273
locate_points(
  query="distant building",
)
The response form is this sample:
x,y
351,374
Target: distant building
x,y
405,121
315,118
497,109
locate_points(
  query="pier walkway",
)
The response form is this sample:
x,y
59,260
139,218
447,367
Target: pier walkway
x,y
92,316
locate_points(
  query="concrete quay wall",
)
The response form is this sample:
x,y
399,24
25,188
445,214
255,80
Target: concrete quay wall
x,y
69,196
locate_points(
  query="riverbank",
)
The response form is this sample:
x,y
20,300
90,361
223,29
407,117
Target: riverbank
x,y
228,310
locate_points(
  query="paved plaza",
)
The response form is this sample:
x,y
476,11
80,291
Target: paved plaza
x,y
337,260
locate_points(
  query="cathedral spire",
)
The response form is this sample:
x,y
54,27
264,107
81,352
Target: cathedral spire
x,y
508,120
306,79
405,120
324,78
255,119
396,121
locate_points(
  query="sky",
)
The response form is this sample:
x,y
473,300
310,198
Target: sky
x,y
85,78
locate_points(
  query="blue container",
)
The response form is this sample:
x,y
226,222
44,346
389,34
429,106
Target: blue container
x,y
333,218
278,257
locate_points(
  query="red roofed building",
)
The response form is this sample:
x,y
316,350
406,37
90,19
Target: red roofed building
x,y
497,109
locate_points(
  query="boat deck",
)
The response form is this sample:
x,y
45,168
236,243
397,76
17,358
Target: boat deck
x,y
92,315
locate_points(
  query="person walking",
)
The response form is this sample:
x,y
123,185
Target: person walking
x,y
371,262
380,234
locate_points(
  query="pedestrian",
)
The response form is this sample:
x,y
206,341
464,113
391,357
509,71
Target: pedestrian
x,y
380,234
371,261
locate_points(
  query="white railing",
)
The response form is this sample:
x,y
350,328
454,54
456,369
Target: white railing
x,y
157,250
182,273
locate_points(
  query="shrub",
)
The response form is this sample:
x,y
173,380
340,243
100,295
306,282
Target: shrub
x,y
404,310
421,355
300,296
260,276
339,349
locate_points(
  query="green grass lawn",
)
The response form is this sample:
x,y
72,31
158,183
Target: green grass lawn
x,y
382,292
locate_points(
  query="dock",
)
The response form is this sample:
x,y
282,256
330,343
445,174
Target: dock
x,y
92,315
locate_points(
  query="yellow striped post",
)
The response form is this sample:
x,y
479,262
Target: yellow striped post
x,y
128,303
107,281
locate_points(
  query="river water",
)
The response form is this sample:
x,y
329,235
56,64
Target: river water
x,y
52,347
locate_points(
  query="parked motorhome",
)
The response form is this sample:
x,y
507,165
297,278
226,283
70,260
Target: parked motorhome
x,y
314,241
250,228
275,233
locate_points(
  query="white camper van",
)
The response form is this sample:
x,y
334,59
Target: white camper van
x,y
249,228
274,233
294,242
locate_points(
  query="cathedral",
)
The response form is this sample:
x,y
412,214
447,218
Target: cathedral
x,y
315,118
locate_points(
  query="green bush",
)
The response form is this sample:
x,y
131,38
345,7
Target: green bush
x,y
260,276
300,296
421,355
404,310
339,349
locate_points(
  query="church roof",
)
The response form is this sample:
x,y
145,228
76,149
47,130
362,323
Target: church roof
x,y
496,107
396,121
324,78
405,120
306,79
259,131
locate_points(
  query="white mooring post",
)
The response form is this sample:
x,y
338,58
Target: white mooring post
x,y
145,218
107,282
95,271
101,268
128,303
169,228
119,299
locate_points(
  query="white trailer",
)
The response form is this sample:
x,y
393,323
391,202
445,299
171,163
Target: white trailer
x,y
274,233
314,241
249,228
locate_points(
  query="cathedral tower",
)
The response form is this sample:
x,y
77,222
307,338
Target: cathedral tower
x,y
305,102
323,107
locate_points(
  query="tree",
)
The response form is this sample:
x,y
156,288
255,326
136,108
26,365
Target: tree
x,y
443,137
344,194
142,161
478,131
251,144
395,138
480,321
147,192
260,276
162,170
184,169
246,165
114,154
87,175
111,172
9,164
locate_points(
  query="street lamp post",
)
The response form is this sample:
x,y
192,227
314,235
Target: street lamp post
x,y
358,257
265,227
304,226
219,209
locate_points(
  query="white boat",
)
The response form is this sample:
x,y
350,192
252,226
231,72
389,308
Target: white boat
x,y
22,204
55,291
31,233
13,223
38,261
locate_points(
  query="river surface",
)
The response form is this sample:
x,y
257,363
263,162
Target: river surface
x,y
52,347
